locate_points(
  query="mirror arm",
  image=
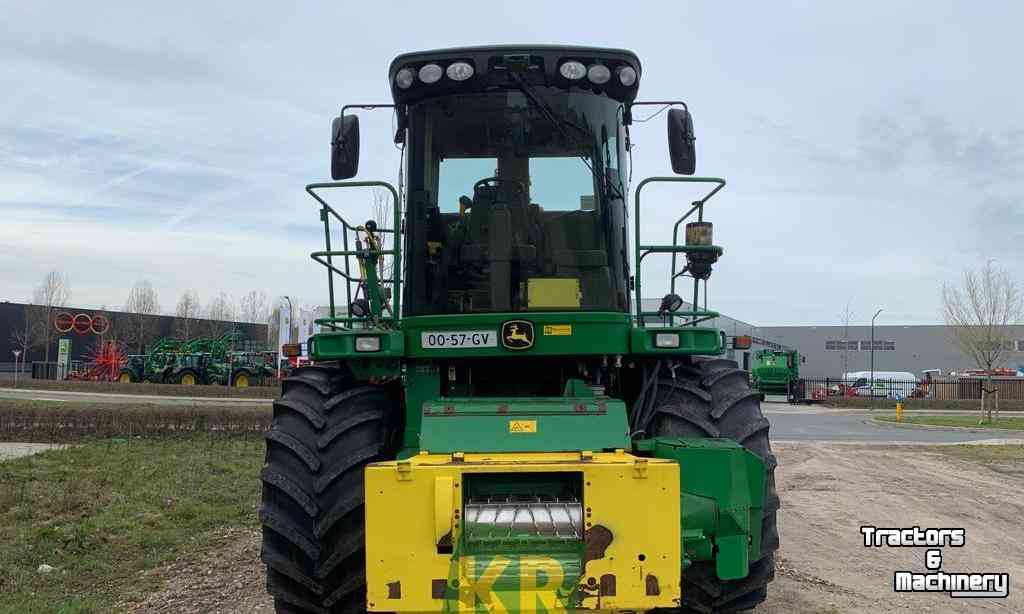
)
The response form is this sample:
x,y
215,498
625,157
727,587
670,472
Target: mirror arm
x,y
400,112
627,116
367,107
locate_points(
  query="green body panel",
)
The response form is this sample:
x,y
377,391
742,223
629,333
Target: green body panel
x,y
592,333
523,424
555,333
341,344
775,370
692,340
722,489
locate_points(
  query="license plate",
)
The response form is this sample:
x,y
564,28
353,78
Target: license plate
x,y
454,339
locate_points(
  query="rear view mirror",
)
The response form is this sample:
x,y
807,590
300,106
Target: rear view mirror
x,y
681,142
344,147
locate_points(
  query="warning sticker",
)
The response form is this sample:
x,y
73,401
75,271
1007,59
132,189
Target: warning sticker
x,y
558,330
522,426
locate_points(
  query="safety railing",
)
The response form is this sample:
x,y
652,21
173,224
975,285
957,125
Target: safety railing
x,y
695,315
942,388
326,257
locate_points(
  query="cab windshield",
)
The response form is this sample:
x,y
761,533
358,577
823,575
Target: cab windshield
x,y
515,204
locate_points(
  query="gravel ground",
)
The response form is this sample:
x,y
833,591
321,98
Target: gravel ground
x,y
828,491
229,580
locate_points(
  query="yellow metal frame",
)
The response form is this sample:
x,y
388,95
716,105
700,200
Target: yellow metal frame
x,y
414,505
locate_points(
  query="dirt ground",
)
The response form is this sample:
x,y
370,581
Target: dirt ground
x,y
828,491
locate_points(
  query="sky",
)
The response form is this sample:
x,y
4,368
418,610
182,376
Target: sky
x,y
873,149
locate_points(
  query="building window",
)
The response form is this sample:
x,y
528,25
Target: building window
x,y
880,346
838,345
1020,345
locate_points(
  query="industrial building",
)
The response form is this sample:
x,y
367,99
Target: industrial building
x,y
16,321
834,350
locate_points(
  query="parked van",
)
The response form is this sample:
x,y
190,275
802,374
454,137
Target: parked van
x,y
887,384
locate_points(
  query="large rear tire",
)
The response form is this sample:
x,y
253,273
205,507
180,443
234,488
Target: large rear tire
x,y
326,429
712,399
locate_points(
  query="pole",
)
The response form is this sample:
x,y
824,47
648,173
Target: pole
x,y
872,388
16,354
286,334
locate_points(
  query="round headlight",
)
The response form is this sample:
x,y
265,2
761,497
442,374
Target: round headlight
x,y
598,74
573,70
627,76
459,71
403,78
431,73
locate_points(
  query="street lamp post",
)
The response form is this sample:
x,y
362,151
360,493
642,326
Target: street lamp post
x,y
288,334
872,389
16,354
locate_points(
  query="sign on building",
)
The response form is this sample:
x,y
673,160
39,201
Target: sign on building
x,y
63,358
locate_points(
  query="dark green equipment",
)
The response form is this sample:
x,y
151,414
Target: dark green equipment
x,y
491,334
778,372
202,360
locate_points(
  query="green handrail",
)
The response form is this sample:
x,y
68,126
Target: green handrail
x,y
675,248
325,211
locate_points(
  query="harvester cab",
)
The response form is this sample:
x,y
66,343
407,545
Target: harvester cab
x,y
493,418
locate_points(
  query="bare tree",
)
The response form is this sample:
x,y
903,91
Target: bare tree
x,y
186,314
142,304
254,307
979,313
221,313
48,296
273,326
22,335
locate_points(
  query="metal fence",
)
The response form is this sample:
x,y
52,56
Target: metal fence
x,y
942,389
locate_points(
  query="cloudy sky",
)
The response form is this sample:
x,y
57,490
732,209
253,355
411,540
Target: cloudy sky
x,y
873,149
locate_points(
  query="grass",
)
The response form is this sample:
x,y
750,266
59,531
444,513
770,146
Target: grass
x,y
271,391
59,421
103,511
1010,423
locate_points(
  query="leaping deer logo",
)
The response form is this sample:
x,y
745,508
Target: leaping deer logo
x,y
517,334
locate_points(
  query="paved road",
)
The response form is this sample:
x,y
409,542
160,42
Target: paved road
x,y
810,423
108,397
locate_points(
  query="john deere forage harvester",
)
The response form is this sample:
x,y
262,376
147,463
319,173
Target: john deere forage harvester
x,y
493,421
777,371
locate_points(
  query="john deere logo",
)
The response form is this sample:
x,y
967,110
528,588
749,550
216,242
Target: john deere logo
x,y
517,334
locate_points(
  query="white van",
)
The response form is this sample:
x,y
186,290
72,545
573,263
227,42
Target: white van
x,y
887,384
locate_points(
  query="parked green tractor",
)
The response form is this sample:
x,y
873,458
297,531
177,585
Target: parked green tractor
x,y
492,420
778,372
204,360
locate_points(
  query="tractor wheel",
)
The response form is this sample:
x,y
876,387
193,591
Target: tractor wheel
x,y
187,377
712,399
241,379
326,429
125,376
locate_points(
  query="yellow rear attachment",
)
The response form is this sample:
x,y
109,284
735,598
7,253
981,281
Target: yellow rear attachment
x,y
522,532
